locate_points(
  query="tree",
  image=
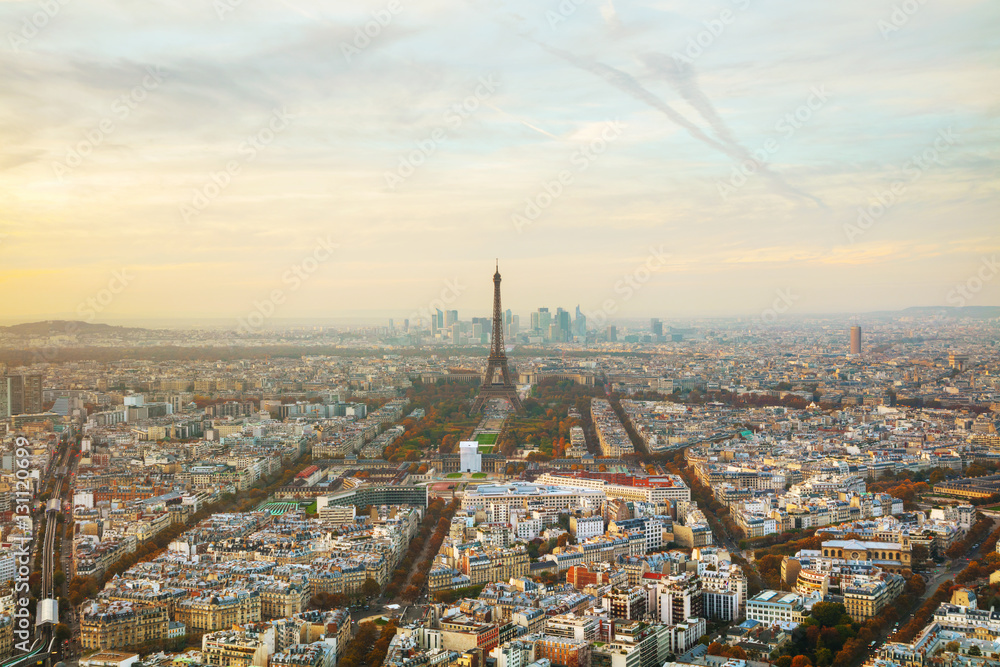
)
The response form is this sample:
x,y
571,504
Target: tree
x,y
832,640
801,661
63,632
370,588
975,651
975,470
770,569
715,648
828,614
734,652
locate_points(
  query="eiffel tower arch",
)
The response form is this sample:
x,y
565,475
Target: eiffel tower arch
x,y
496,365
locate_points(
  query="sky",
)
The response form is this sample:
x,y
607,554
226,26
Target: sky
x,y
302,159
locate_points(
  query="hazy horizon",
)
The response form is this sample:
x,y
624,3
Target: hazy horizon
x,y
381,319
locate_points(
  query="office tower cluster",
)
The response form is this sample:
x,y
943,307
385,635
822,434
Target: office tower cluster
x,y
20,395
559,327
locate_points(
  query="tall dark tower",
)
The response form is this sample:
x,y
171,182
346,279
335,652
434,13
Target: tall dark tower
x,y
497,361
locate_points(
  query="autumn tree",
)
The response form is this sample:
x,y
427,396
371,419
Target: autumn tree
x,y
370,588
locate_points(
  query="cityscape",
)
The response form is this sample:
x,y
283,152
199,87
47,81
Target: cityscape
x,y
499,333
822,492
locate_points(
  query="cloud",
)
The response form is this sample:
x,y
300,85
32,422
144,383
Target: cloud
x,y
353,121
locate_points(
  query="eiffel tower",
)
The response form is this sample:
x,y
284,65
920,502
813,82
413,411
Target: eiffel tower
x,y
497,362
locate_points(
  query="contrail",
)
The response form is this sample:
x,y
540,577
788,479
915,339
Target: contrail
x,y
523,122
627,83
681,78
726,144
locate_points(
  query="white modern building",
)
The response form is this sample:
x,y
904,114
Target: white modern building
x,y
471,459
583,528
528,495
774,607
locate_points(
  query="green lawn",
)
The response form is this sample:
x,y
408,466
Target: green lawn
x,y
454,475
485,449
478,475
486,438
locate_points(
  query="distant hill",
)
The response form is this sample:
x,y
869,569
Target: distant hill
x,y
975,312
61,327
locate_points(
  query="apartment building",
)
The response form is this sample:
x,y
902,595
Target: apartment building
x,y
248,646
215,610
281,599
121,623
866,597
563,651
571,626
317,654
